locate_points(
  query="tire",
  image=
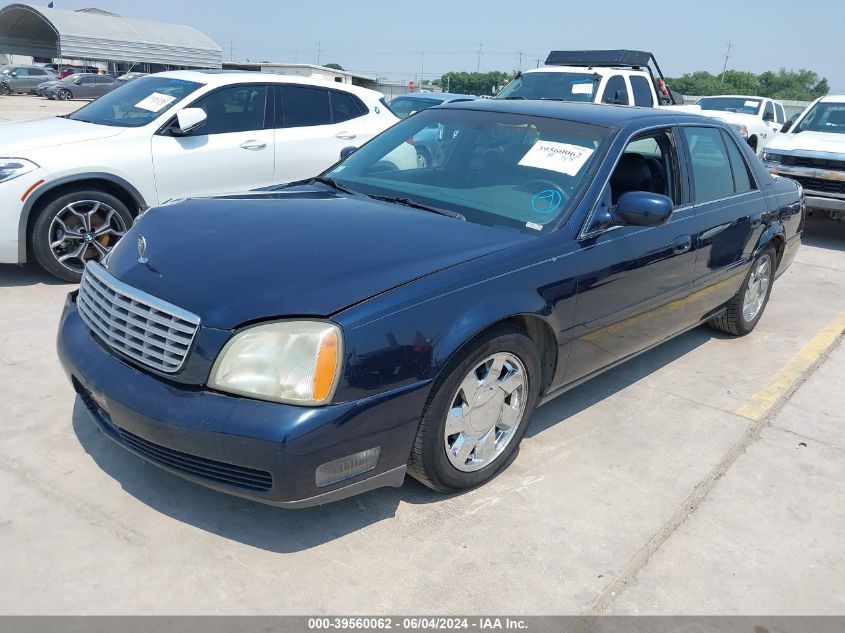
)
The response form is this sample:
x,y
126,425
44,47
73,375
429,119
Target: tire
x,y
752,143
64,95
60,230
430,461
5,90
737,320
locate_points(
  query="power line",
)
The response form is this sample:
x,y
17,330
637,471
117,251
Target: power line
x,y
725,67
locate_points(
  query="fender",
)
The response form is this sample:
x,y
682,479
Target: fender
x,y
46,188
773,230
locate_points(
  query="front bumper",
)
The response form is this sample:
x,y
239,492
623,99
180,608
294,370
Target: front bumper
x,y
824,189
260,450
12,193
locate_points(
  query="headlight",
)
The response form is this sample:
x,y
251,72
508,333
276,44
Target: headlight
x,y
296,362
771,158
740,129
14,167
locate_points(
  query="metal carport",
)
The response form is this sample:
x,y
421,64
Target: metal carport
x,y
93,35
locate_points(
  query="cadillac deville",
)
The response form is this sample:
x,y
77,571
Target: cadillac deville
x,y
319,339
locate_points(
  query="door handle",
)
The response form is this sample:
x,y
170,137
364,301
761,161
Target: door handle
x,y
346,136
253,145
682,244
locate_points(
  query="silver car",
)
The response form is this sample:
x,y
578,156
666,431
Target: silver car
x,y
79,86
17,78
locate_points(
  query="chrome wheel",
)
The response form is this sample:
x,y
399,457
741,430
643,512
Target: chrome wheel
x,y
485,412
64,95
82,231
757,289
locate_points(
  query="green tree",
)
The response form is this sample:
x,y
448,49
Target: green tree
x,y
474,83
335,66
801,85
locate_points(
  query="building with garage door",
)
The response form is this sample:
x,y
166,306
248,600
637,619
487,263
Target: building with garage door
x,y
96,37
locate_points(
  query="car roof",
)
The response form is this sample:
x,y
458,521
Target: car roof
x,y
226,77
616,116
833,99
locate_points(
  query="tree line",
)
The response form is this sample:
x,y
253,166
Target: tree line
x,y
800,85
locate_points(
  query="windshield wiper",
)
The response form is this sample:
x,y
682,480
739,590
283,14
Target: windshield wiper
x,y
331,182
407,202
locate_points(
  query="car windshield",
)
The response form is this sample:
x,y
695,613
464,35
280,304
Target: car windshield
x,y
824,117
497,169
731,104
136,103
405,106
552,85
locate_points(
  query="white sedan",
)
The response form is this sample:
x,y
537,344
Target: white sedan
x,y
70,186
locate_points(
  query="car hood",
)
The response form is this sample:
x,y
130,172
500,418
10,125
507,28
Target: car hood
x,y
809,142
732,117
309,252
22,136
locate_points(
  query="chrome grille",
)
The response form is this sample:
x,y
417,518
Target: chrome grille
x,y
138,325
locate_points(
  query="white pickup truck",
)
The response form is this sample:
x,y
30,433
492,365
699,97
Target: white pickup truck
x,y
812,151
757,119
617,77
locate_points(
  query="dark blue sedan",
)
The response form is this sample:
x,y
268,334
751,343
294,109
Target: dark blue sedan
x,y
320,339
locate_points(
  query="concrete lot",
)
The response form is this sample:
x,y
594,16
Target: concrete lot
x,y
705,477
643,491
23,107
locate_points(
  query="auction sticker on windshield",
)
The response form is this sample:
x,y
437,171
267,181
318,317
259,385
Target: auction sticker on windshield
x,y
155,102
560,157
582,88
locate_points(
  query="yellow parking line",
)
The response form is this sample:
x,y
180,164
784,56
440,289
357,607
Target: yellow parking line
x,y
758,405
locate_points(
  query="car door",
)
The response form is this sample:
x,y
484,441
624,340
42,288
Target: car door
x,y
231,152
770,121
312,125
633,281
729,206
34,77
84,87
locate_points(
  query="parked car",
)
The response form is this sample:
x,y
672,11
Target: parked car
x,y
405,105
757,119
78,87
318,340
17,78
71,185
615,77
130,76
813,154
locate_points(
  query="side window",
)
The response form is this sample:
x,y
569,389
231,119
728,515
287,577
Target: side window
x,y
769,112
649,163
344,106
615,91
22,72
641,87
780,115
233,109
742,175
711,168
304,106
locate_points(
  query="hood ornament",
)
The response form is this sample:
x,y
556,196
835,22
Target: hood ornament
x,y
142,250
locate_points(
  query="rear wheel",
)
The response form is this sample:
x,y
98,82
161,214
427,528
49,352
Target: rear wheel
x,y
478,412
76,228
746,308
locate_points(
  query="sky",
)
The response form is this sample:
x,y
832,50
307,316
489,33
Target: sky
x,y
407,39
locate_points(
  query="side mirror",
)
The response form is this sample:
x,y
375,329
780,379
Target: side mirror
x,y
188,120
347,151
643,208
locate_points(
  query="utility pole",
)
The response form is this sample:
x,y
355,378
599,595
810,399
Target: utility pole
x,y
538,62
319,52
478,65
521,53
422,67
725,67
231,49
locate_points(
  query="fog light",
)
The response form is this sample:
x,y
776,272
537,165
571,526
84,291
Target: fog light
x,y
346,467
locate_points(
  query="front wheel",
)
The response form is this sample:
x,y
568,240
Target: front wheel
x,y
76,228
477,412
744,311
5,89
64,95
